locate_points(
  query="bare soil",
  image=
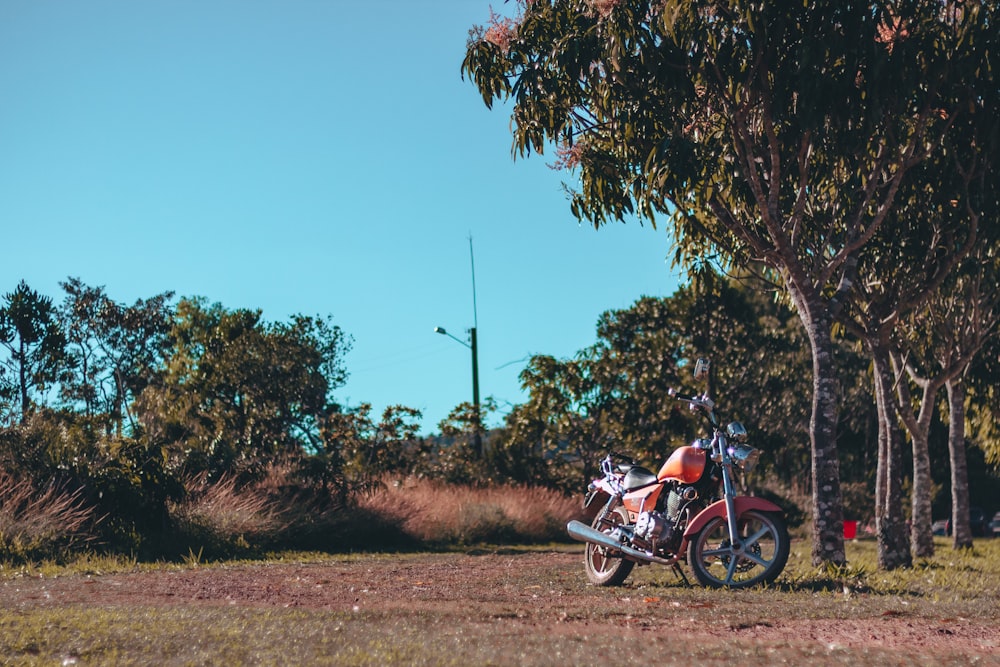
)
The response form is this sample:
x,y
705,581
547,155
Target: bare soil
x,y
513,596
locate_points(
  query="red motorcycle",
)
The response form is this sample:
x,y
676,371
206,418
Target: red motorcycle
x,y
689,511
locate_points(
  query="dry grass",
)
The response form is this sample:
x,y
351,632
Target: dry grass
x,y
433,513
224,520
41,523
226,509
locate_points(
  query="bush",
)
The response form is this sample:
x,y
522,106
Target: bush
x,y
222,519
41,524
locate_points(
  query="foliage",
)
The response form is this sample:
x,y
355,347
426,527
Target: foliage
x,y
236,392
30,331
614,395
984,402
125,480
122,403
114,351
757,140
355,451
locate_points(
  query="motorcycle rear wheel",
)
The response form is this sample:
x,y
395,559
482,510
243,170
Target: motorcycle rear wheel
x,y
717,564
603,566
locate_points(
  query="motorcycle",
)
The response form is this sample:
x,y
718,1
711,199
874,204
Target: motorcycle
x,y
688,511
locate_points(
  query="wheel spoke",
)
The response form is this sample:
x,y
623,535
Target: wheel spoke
x,y
731,570
753,539
717,553
757,559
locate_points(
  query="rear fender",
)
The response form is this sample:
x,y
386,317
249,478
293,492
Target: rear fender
x,y
718,508
592,504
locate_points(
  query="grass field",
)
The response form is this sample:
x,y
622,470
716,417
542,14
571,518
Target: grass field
x,y
497,606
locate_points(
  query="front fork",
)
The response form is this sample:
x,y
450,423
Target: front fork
x,y
729,494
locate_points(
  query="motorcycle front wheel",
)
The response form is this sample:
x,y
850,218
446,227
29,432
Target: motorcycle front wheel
x,y
758,557
605,567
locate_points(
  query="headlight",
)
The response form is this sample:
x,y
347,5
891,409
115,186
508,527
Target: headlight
x,y
744,456
736,431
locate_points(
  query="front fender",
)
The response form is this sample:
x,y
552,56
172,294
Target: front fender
x,y
718,508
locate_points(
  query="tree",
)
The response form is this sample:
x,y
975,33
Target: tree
x,y
900,277
236,392
756,139
115,349
615,393
29,329
940,344
356,452
561,426
907,276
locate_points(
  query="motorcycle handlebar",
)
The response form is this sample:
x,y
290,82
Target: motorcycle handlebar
x,y
702,401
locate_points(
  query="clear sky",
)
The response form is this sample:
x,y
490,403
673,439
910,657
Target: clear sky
x,y
321,157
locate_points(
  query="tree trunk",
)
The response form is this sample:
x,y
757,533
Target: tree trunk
x,y
920,516
890,524
962,534
828,514
919,428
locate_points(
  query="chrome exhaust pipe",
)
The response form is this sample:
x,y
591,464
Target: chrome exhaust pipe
x,y
581,531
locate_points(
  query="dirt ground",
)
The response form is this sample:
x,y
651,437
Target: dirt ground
x,y
529,588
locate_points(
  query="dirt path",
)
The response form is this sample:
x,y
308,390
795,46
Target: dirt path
x,y
519,591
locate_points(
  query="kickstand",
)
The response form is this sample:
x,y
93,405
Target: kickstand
x,y
680,573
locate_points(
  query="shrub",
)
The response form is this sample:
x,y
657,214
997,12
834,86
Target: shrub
x,y
223,518
41,524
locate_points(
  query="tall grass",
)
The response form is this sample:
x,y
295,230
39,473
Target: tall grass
x,y
224,518
219,519
433,513
41,523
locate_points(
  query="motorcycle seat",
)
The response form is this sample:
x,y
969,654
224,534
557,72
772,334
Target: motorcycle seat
x,y
638,477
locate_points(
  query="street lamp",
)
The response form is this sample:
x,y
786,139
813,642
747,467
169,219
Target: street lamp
x,y
475,381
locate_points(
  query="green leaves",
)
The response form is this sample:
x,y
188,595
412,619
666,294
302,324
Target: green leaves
x,y
30,331
237,392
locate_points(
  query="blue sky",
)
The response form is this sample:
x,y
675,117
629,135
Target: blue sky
x,y
305,156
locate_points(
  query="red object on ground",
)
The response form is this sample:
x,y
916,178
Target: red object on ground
x,y
850,530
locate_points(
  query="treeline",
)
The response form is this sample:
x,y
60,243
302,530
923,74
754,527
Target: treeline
x,y
614,395
130,415
130,409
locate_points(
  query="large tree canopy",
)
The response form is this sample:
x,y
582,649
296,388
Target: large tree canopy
x,y
774,133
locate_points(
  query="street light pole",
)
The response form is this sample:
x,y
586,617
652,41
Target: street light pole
x,y
475,392
475,358
474,347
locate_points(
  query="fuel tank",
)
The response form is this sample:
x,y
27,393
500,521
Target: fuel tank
x,y
685,464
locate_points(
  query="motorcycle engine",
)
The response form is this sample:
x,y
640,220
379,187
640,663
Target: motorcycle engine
x,y
677,497
651,526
